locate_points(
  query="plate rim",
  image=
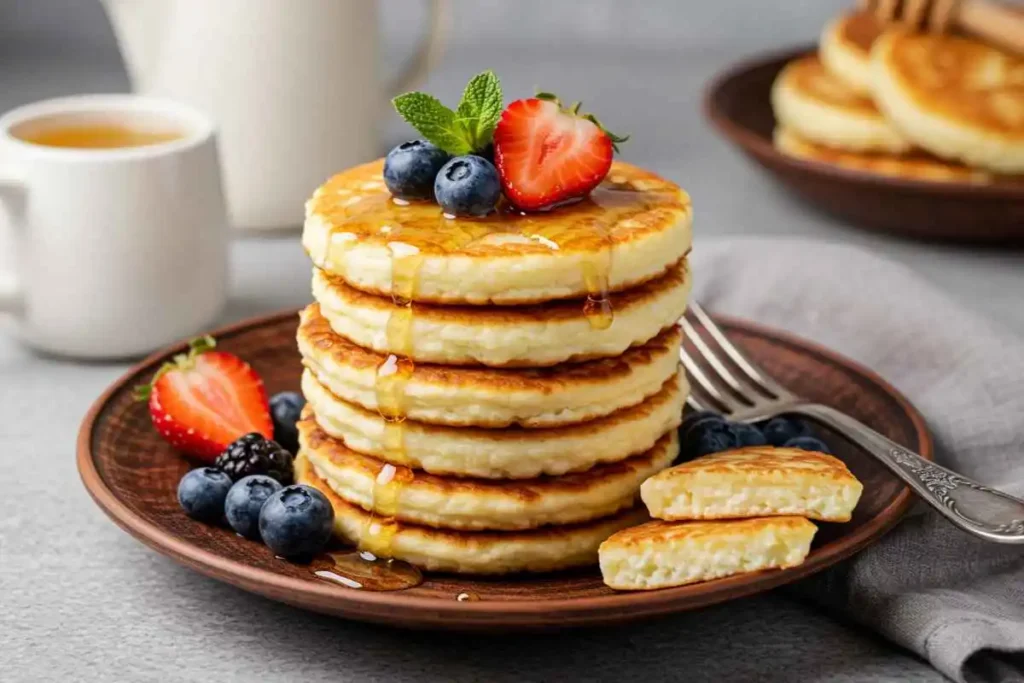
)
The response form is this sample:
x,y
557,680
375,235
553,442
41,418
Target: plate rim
x,y
375,606
750,140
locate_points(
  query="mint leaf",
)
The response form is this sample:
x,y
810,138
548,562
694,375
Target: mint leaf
x,y
434,121
480,108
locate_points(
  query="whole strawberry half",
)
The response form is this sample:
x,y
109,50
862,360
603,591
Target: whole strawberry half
x,y
203,400
547,154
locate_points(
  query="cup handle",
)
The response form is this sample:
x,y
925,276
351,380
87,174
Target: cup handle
x,y
13,193
427,53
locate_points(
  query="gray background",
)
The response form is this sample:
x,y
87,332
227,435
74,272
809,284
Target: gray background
x,y
81,600
641,66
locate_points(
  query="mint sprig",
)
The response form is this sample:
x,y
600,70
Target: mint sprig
x,y
467,129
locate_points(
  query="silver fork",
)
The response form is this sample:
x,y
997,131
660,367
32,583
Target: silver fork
x,y
728,382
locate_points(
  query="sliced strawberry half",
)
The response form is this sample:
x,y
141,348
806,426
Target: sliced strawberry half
x,y
547,154
203,400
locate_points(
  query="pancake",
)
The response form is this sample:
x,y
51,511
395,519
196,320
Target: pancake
x,y
754,482
471,552
511,453
955,97
913,165
478,504
540,335
631,229
493,397
663,554
820,108
845,49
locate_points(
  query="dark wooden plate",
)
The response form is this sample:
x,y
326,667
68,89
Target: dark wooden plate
x,y
737,103
133,475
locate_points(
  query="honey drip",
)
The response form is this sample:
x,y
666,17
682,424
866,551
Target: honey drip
x,y
362,570
412,231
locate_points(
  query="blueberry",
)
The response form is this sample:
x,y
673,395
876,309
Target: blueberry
x,y
201,493
748,434
710,436
410,169
296,521
779,430
244,501
467,186
807,443
285,409
694,425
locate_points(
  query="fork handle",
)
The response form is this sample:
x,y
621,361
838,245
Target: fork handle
x,y
977,509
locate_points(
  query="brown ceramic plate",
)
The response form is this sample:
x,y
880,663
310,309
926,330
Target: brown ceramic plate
x,y
737,103
133,475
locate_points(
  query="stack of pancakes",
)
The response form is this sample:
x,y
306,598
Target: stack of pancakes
x,y
487,395
903,103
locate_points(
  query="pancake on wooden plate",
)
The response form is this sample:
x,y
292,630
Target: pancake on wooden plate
x,y
509,453
469,552
955,97
663,554
912,165
822,109
476,504
536,335
493,397
632,228
756,481
845,49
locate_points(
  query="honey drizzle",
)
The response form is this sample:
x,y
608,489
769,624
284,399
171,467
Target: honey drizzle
x,y
414,230
362,570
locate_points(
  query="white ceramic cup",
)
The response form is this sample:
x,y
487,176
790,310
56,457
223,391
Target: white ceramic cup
x,y
115,251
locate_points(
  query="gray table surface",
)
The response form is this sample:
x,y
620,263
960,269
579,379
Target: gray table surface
x,y
80,600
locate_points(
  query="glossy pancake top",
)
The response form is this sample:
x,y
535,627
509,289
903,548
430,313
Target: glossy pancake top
x,y
963,80
808,77
629,230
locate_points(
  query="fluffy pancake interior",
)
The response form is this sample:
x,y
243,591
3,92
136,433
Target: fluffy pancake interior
x,y
663,554
754,482
474,504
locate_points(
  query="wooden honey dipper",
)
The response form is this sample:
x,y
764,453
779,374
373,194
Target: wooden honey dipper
x,y
984,19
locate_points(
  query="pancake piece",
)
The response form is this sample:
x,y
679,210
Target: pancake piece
x,y
513,336
511,453
493,397
471,552
955,97
663,554
845,49
757,481
631,229
913,165
820,108
477,504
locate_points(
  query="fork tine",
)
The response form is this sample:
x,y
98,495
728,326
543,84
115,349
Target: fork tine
x,y
727,404
763,381
695,403
713,360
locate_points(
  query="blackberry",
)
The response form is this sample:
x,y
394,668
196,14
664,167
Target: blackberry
x,y
256,454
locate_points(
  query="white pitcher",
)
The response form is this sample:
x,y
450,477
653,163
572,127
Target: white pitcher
x,y
291,84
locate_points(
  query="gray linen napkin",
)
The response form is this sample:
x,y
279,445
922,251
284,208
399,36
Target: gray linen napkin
x,y
955,601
